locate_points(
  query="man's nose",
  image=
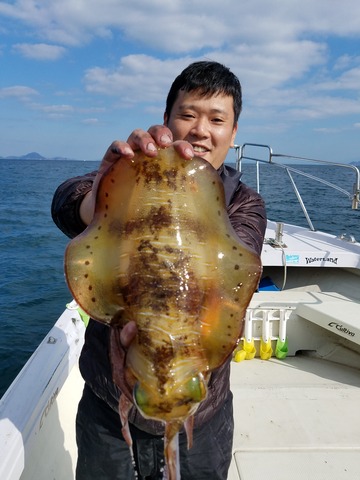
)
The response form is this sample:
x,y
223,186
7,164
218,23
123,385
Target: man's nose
x,y
200,128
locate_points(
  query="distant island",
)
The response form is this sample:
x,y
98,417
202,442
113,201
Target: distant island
x,y
33,156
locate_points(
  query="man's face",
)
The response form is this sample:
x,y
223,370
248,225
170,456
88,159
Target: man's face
x,y
205,122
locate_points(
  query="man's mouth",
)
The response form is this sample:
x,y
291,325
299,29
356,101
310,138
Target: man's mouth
x,y
199,149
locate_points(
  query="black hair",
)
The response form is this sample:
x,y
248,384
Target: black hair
x,y
208,78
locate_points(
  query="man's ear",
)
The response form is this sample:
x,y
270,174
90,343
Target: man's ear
x,y
165,119
234,134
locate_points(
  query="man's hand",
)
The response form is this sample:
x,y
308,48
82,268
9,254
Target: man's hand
x,y
148,142
120,340
158,136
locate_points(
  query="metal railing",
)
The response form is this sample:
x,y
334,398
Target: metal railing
x,y
267,156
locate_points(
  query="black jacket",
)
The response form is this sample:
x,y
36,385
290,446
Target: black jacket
x,y
246,212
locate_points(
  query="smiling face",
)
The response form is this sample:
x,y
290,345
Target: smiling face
x,y
207,122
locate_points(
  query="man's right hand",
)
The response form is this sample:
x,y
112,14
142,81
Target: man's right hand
x,y
120,341
146,141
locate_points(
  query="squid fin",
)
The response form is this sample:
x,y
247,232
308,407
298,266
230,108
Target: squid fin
x,y
124,409
189,426
172,454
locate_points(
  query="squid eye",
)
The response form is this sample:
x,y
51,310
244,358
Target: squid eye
x,y
196,388
141,398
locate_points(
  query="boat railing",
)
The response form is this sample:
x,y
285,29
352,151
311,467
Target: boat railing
x,y
266,155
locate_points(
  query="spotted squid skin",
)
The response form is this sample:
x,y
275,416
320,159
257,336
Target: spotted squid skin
x,y
161,251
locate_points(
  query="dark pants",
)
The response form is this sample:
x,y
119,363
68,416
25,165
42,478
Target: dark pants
x,y
104,455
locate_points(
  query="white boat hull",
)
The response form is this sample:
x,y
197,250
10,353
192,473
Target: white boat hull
x,y
37,413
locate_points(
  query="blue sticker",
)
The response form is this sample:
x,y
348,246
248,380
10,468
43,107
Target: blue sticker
x,y
294,259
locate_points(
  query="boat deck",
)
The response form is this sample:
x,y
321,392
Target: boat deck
x,y
295,418
302,247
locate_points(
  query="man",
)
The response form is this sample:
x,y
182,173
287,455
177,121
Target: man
x,y
202,110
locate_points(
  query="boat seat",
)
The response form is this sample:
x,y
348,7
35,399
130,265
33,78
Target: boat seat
x,y
335,313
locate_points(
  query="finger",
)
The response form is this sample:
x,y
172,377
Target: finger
x,y
128,334
184,149
142,140
117,360
117,150
162,135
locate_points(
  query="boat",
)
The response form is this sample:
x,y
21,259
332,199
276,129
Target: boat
x,y
295,375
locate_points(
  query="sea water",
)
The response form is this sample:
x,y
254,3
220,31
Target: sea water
x,y
33,292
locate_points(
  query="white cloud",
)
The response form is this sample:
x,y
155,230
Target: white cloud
x,y
53,111
90,121
281,51
263,72
180,26
143,78
297,104
20,92
350,80
137,79
262,67
267,44
59,109
39,51
346,61
328,130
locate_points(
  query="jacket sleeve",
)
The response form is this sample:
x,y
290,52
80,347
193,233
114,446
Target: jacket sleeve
x,y
248,216
66,204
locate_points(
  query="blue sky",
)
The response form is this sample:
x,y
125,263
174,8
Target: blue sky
x,y
76,75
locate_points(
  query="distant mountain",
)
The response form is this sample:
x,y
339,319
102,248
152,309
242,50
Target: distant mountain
x,y
32,156
28,156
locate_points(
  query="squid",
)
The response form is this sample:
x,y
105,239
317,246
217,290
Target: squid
x,y
161,251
